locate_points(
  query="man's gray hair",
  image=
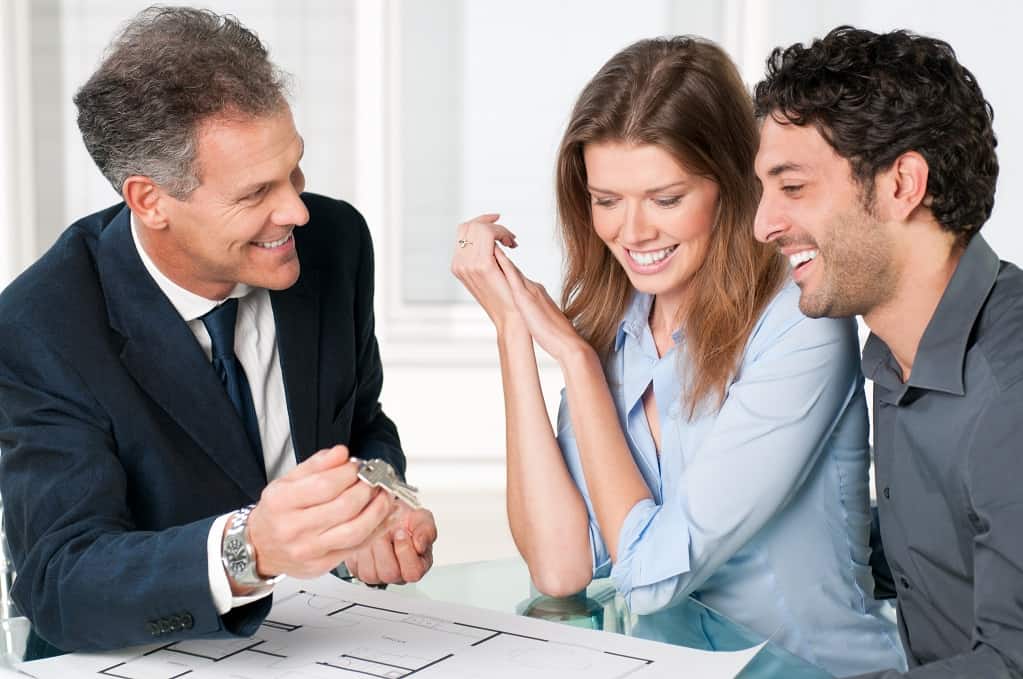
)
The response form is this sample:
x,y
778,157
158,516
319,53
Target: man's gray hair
x,y
169,70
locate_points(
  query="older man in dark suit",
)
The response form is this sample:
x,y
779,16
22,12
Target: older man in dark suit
x,y
170,368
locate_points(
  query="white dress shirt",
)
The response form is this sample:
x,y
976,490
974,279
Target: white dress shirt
x,y
255,345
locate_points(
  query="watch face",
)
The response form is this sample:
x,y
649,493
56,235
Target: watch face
x,y
236,554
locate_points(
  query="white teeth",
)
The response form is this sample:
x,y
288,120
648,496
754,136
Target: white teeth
x,y
274,243
648,258
800,257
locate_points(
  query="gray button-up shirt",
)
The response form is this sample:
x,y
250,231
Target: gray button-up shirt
x,y
948,447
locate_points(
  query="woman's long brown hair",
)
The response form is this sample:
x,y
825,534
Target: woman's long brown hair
x,y
683,95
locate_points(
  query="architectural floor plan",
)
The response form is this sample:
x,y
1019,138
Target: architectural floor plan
x,y
329,629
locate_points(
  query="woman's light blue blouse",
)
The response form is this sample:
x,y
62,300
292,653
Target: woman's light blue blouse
x,y
760,510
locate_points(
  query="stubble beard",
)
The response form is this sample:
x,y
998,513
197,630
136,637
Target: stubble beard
x,y
858,271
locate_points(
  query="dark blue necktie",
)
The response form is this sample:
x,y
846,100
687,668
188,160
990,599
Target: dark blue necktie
x,y
220,324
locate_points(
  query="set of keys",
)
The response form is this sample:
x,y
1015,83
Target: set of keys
x,y
380,474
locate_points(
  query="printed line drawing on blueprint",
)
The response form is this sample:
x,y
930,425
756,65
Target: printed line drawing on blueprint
x,y
328,629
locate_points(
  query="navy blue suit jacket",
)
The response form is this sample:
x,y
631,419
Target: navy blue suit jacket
x,y
120,445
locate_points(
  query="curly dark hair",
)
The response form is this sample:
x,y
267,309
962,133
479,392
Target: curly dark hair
x,y
876,96
168,70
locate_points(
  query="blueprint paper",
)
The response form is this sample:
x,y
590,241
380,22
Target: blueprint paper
x,y
330,629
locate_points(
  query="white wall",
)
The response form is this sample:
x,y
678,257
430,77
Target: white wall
x,y
17,217
302,36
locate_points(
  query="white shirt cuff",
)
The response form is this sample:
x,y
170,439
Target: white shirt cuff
x,y
220,587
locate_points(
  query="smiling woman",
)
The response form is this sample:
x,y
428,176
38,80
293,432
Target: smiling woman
x,y
655,218
699,137
711,439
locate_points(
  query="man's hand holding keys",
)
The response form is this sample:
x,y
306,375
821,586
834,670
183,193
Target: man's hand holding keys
x,y
311,519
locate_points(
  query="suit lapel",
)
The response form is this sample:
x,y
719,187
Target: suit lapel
x,y
297,316
161,353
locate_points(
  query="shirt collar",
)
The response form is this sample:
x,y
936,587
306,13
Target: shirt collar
x,y
637,315
940,358
637,319
188,304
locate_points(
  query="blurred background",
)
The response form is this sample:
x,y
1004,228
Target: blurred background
x,y
425,113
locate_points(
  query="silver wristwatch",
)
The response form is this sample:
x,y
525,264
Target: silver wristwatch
x,y
238,555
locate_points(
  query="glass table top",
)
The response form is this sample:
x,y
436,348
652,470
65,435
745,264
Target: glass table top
x,y
504,585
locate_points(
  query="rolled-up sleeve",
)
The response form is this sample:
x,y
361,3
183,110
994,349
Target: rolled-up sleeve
x,y
654,552
796,382
645,559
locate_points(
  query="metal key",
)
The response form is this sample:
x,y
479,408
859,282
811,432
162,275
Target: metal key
x,y
380,474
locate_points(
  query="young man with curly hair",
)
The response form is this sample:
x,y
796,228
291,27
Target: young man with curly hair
x,y
877,160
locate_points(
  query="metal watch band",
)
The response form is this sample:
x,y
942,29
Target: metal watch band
x,y
238,555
